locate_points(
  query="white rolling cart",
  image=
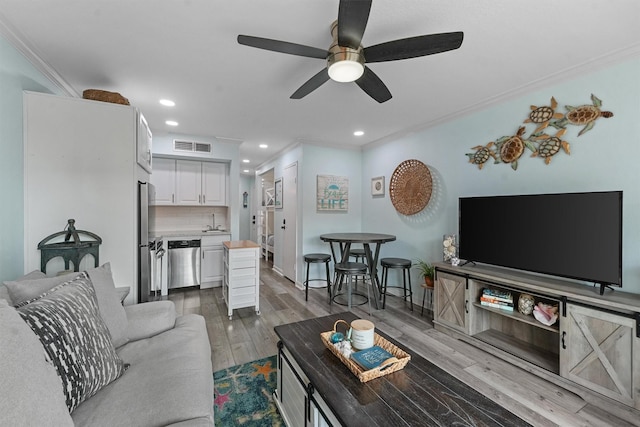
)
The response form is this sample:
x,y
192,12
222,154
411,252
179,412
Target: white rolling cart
x,y
241,285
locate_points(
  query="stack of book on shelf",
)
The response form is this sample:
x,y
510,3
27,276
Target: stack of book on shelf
x,y
497,298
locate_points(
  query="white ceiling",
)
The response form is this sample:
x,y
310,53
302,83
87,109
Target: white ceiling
x,y
186,50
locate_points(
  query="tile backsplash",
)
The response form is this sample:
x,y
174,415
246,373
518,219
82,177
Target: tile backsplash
x,y
189,218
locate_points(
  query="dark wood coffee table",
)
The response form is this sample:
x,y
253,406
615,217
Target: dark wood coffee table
x,y
313,383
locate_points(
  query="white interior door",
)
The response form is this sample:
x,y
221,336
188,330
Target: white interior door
x,y
255,204
289,214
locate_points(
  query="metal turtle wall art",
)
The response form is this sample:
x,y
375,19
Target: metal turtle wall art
x,y
549,146
509,149
542,116
583,115
482,154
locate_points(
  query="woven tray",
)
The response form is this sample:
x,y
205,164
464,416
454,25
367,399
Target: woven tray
x,y
410,187
105,96
364,376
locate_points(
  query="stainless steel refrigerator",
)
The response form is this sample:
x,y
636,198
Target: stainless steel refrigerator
x,y
145,222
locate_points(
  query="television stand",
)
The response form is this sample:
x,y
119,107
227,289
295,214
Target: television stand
x,y
591,349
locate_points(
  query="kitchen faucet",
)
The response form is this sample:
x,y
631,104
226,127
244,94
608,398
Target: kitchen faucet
x,y
213,214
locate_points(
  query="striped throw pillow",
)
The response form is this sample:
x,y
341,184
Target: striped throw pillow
x,y
67,322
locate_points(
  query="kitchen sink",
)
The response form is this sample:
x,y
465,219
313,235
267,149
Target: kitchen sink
x,y
214,231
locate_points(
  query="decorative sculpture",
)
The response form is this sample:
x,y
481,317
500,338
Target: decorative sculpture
x,y
70,251
509,149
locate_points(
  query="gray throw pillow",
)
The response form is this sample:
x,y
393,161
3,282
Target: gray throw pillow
x,y
111,309
4,291
75,338
31,390
27,289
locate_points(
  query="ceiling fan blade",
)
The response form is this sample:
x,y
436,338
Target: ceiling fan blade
x,y
373,86
413,47
312,84
352,21
283,47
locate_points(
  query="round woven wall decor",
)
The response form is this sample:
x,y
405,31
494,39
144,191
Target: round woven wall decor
x,y
410,187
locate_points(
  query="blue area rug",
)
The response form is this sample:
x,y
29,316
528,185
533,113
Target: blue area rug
x,y
243,395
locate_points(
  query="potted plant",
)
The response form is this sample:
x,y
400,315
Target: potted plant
x,y
427,271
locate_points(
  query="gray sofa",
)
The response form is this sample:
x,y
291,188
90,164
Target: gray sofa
x,y
161,363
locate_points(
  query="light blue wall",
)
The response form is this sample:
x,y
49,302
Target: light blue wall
x,y
606,158
16,75
329,161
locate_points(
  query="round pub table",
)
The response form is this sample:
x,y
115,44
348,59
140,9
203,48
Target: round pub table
x,y
344,240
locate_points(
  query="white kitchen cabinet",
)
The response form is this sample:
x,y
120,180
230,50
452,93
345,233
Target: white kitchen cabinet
x,y
214,184
241,284
212,265
164,180
200,183
188,183
81,162
143,143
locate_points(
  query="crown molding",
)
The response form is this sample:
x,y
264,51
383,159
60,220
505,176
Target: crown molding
x,y
19,42
595,64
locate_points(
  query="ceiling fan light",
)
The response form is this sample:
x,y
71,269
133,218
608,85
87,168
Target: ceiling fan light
x,y
346,71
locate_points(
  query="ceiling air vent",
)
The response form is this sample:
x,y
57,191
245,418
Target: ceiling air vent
x,y
201,147
190,146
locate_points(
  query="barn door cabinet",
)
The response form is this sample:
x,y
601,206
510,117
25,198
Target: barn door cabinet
x,y
599,350
451,300
593,349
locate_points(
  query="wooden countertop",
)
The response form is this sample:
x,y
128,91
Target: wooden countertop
x,y
240,244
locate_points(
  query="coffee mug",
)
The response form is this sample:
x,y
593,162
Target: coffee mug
x,y
362,334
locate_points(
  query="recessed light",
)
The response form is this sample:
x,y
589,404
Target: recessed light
x,y
245,161
246,171
171,123
263,146
167,103
358,133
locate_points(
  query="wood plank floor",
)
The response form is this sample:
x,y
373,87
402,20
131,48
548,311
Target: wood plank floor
x,y
250,336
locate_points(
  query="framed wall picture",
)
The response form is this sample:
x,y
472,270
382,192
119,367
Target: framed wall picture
x,y
377,186
332,193
278,193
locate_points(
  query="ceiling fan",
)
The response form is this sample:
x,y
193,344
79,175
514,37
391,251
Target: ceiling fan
x,y
346,57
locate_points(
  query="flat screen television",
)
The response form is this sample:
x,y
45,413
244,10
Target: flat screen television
x,y
572,235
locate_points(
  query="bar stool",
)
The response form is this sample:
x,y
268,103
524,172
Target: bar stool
x,y
358,254
395,263
316,258
351,270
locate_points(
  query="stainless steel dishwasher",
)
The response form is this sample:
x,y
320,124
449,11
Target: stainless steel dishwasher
x,y
184,263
